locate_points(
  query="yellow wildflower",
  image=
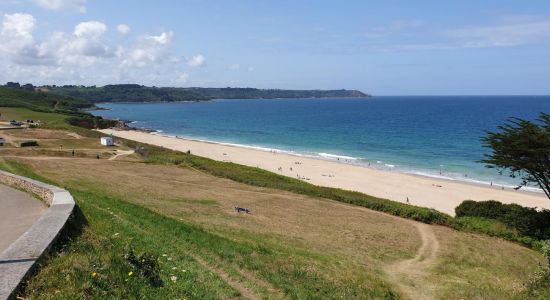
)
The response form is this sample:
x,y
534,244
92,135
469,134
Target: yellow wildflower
x,y
130,273
94,274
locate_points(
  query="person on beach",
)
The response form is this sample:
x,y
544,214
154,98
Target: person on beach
x,y
407,200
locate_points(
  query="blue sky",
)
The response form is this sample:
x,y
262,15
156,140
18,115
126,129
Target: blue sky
x,y
379,47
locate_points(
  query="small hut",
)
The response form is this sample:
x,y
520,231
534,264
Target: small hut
x,y
107,141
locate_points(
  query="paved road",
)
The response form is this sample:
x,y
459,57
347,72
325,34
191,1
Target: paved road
x,y
18,211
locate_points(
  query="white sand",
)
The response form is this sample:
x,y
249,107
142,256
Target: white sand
x,y
421,191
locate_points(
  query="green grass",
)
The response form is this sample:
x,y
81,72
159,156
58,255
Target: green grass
x,y
115,226
48,120
494,228
40,101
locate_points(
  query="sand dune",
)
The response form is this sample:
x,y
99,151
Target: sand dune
x,y
443,195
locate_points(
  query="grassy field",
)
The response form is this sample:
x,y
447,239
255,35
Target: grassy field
x,y
297,246
47,120
40,101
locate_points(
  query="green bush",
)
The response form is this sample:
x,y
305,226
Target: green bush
x,y
539,285
91,122
28,144
494,228
527,221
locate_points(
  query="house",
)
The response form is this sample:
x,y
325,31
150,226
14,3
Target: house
x,y
2,141
107,141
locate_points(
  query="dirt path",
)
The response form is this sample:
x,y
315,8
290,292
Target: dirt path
x,y
75,135
410,275
120,153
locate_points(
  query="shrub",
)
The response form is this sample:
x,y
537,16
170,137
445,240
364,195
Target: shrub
x,y
28,144
494,228
527,221
540,283
91,122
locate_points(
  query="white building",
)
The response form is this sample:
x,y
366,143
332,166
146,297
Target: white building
x,y
107,141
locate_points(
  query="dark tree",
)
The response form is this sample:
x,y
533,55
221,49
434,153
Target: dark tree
x,y
522,148
14,85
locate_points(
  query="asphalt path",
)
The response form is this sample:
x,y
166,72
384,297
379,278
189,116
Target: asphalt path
x,y
18,211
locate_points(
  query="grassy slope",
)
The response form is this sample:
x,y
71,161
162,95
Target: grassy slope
x,y
114,226
297,267
48,120
40,101
339,239
263,178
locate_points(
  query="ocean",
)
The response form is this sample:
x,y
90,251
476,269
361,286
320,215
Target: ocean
x,y
435,136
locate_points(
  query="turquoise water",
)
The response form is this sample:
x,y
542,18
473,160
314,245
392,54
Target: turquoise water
x,y
433,136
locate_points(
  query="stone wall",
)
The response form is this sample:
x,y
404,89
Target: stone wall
x,y
27,185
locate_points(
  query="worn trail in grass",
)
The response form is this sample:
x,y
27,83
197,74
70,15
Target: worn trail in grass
x,y
409,274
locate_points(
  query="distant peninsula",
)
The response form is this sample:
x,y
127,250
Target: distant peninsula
x,y
140,93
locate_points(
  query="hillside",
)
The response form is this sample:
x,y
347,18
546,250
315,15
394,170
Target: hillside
x,y
40,101
139,93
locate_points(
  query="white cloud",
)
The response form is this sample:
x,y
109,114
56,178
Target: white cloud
x,y
503,35
123,29
84,47
90,29
151,49
18,25
196,61
233,67
82,55
78,6
510,31
163,39
16,39
250,69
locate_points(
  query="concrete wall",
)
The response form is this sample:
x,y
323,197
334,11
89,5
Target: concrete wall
x,y
20,258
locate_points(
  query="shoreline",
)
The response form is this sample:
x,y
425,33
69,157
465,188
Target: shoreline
x,y
463,176
348,160
440,194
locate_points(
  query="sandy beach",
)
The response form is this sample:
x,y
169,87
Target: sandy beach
x,y
440,194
